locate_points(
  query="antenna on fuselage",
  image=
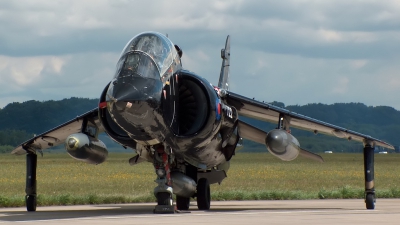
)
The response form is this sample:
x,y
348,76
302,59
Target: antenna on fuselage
x,y
224,75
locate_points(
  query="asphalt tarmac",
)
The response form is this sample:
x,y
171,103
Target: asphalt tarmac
x,y
297,212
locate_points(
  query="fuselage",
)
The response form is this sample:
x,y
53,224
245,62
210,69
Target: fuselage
x,y
155,102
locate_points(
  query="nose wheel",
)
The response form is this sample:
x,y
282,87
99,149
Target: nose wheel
x,y
203,194
164,198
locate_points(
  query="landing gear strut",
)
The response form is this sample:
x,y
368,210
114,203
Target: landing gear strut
x,y
369,175
30,190
163,191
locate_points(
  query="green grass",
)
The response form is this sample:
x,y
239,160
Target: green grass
x,y
65,181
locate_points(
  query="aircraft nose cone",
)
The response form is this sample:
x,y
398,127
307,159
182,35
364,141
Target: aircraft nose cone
x,y
133,102
134,89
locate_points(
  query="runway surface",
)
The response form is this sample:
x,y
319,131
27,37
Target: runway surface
x,y
230,212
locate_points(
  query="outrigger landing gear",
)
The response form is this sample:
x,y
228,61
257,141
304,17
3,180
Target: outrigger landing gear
x,y
369,175
163,191
31,198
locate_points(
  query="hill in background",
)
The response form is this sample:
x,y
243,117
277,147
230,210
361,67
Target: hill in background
x,y
20,121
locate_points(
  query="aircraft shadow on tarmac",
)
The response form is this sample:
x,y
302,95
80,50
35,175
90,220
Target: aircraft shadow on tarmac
x,y
128,210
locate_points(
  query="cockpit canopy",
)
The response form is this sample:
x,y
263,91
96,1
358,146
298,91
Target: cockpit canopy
x,y
150,55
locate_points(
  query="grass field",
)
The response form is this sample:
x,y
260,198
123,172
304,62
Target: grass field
x,y
63,180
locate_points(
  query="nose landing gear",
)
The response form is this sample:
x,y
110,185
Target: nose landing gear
x,y
163,192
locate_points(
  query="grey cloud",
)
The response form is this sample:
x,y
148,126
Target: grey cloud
x,y
340,15
83,75
297,52
272,26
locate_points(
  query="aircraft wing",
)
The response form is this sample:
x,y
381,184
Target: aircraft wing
x,y
267,112
58,134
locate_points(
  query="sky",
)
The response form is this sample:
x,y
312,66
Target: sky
x,y
295,52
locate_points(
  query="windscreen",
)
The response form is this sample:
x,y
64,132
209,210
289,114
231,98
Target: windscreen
x,y
137,64
146,47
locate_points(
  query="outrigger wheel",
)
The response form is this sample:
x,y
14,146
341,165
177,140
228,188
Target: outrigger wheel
x,y
203,194
370,201
30,201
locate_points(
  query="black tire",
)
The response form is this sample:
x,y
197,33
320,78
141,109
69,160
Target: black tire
x,y
163,198
203,194
31,202
370,201
191,171
182,203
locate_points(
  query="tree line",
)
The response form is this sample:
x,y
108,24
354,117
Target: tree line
x,y
21,121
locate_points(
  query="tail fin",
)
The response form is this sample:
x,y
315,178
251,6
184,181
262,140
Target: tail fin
x,y
224,75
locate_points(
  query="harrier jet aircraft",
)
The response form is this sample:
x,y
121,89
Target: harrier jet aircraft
x,y
186,127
